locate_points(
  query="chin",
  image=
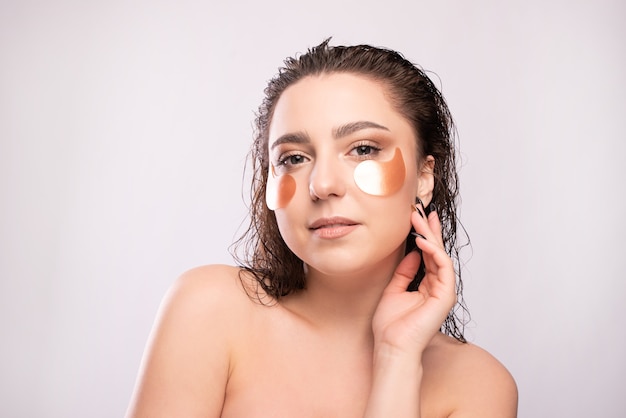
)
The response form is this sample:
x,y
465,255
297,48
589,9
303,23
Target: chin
x,y
348,263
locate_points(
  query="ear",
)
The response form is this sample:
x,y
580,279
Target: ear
x,y
426,180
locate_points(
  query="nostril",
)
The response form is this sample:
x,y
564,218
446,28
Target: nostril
x,y
327,179
313,194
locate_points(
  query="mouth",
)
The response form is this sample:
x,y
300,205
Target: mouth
x,y
334,222
334,227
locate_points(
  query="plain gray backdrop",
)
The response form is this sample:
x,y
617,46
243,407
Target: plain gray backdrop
x,y
124,128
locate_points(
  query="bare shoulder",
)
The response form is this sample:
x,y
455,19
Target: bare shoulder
x,y
475,382
187,360
210,298
208,287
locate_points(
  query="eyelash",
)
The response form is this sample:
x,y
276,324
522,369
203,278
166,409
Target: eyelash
x,y
373,150
283,161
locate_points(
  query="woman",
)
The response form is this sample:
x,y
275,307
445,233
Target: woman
x,y
339,307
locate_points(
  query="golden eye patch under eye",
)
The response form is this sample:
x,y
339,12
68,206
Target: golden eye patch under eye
x,y
381,178
279,189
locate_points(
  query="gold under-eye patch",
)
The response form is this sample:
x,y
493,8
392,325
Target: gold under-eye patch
x,y
381,178
279,189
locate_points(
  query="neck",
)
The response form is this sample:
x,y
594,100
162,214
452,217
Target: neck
x,y
344,302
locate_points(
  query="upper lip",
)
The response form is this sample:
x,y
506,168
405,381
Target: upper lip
x,y
334,220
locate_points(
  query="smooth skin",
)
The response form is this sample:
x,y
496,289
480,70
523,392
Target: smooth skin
x,y
354,343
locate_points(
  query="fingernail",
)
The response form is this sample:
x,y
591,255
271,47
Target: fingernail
x,y
431,208
416,206
418,235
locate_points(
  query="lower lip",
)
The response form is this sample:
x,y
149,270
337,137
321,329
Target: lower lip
x,y
332,232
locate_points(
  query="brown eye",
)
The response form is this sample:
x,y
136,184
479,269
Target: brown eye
x,y
293,159
364,150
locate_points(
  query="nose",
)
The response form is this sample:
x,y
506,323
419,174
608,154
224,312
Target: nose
x,y
327,179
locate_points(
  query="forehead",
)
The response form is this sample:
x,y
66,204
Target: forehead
x,y
317,104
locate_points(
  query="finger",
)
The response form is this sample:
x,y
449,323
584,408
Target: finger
x,y
421,226
405,272
435,225
437,261
430,231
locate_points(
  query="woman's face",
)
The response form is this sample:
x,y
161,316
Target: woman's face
x,y
343,173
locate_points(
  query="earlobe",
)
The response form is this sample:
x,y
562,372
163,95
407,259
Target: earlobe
x,y
426,180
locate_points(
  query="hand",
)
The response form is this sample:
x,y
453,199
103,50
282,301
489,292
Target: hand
x,y
405,322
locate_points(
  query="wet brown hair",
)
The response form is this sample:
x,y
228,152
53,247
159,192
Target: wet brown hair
x,y
277,270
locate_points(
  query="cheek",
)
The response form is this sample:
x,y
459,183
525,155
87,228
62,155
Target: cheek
x,y
381,178
279,190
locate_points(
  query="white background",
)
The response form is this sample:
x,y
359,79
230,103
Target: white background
x,y
124,127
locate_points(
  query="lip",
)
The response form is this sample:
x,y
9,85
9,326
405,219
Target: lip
x,y
333,227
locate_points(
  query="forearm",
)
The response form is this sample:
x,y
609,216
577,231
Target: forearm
x,y
396,383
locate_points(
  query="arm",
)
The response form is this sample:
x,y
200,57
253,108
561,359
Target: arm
x,y
396,383
405,322
472,383
185,367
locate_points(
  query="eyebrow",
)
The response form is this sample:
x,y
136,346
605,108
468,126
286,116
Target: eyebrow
x,y
340,132
350,128
292,138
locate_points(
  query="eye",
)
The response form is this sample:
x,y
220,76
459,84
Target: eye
x,y
365,150
292,159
